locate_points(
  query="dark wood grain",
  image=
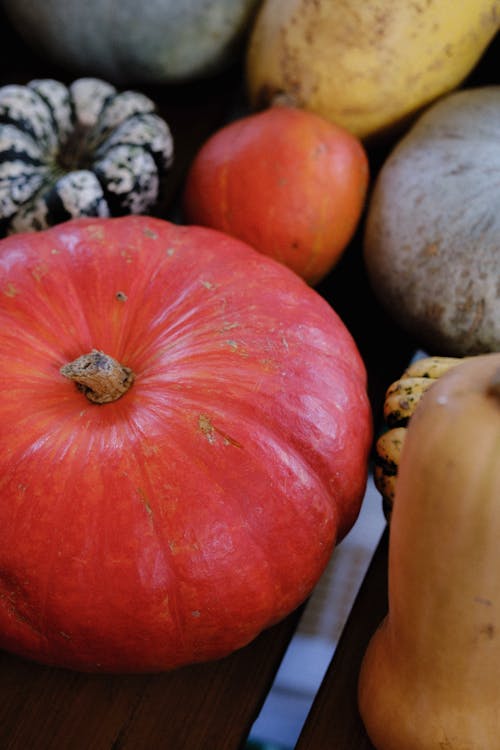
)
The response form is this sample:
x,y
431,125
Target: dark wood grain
x,y
202,707
334,722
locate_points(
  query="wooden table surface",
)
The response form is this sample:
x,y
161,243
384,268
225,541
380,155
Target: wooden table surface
x,y
208,706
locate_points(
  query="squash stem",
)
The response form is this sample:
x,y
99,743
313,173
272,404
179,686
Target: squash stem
x,y
100,377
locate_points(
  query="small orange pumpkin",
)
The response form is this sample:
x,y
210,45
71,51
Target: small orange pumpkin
x,y
285,181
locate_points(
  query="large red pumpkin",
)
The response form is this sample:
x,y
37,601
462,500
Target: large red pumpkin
x,y
173,524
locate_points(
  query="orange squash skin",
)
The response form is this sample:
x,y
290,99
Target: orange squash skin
x,y
285,181
430,675
175,523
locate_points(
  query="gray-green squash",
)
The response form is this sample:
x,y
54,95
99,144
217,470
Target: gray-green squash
x,y
78,150
432,237
155,41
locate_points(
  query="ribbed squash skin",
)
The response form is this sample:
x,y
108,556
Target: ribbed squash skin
x,y
84,149
175,523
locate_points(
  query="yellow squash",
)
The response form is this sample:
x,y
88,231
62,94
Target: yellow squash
x,y
365,64
430,678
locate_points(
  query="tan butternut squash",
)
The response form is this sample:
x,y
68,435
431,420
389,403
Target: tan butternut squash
x,y
430,678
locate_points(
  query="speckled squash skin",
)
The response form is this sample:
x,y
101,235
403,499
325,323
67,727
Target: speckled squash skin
x,y
78,150
433,226
158,41
367,65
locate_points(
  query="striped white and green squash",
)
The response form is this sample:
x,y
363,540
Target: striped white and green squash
x,y
78,150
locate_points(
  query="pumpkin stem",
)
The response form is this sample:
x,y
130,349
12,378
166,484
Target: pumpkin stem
x,y
100,377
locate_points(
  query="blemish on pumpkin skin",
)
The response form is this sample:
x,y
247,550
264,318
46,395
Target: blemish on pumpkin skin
x,y
145,501
20,617
95,232
235,347
40,271
228,327
268,365
121,297
176,548
150,233
206,427
128,258
211,432
150,450
11,291
9,599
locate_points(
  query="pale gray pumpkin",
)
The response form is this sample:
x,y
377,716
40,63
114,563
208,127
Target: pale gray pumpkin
x,y
432,238
78,150
128,42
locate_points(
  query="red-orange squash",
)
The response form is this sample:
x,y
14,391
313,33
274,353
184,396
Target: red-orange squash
x,y
284,180
186,491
